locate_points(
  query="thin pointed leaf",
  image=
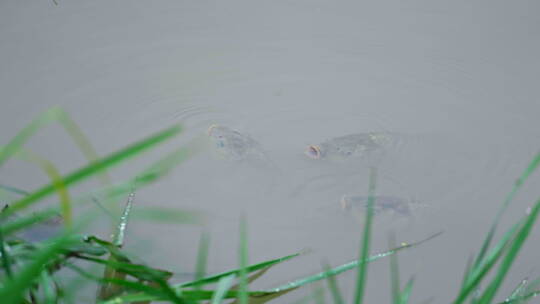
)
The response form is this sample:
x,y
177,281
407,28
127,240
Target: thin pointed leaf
x,y
46,284
333,286
406,293
202,258
533,165
118,239
364,248
511,255
477,274
223,286
345,267
253,277
98,166
6,259
518,291
56,179
467,272
394,272
13,290
249,269
243,259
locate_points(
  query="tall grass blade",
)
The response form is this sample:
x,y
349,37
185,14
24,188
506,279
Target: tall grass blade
x,y
202,258
54,114
18,224
473,280
109,290
46,283
6,259
255,267
345,267
394,273
118,239
364,249
333,286
243,259
518,291
406,293
98,166
12,292
533,165
223,286
511,255
56,179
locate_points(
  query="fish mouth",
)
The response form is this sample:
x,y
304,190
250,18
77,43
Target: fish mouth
x,y
313,151
212,127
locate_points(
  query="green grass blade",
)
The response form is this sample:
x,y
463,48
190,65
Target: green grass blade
x,y
214,278
6,259
118,239
531,289
522,299
56,179
518,291
394,273
22,137
364,248
511,255
54,114
202,258
12,292
473,280
80,139
467,272
168,162
99,165
406,293
46,284
223,286
14,225
345,267
243,260
148,291
533,165
108,290
333,286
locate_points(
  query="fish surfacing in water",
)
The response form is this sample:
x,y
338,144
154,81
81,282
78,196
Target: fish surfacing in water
x,y
234,145
382,204
361,145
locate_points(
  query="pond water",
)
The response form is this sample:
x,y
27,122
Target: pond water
x,y
458,79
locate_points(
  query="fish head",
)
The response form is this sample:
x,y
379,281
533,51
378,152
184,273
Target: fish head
x,y
220,135
313,152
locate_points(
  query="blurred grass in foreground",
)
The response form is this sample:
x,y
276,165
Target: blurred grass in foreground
x,y
35,271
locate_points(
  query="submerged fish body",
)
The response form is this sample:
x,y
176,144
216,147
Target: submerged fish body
x,y
234,145
361,145
382,204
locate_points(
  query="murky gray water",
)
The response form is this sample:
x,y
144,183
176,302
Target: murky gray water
x,y
459,79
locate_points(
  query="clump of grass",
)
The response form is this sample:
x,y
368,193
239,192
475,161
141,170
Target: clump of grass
x,y
31,271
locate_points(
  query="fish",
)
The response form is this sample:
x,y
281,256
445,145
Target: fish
x,y
360,145
236,146
382,204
